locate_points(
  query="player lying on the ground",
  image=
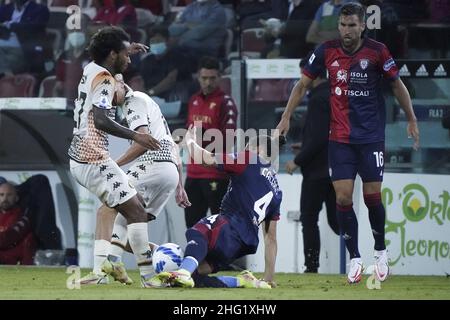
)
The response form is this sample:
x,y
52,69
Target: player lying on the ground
x,y
253,198
155,174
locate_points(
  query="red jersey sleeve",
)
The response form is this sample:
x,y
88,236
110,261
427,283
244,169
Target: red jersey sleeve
x,y
387,64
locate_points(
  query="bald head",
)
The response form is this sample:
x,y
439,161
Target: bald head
x,y
8,196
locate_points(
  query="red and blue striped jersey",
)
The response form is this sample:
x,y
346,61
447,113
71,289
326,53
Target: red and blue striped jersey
x,y
357,105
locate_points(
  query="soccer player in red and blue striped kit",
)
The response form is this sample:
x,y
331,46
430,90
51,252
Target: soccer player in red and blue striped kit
x,y
356,66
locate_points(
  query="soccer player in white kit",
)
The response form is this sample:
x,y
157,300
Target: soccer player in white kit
x,y
156,174
90,163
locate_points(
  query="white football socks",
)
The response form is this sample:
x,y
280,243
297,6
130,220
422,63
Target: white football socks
x,y
101,250
138,238
119,237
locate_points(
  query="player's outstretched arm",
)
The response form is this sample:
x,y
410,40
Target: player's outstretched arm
x,y
270,250
180,193
104,123
402,95
197,153
297,94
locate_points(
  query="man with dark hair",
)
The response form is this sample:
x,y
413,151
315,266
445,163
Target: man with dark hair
x,y
312,159
356,66
214,109
17,242
253,199
90,162
166,70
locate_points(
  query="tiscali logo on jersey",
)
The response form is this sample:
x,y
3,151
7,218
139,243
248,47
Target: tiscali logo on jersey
x,y
364,63
351,93
422,71
341,75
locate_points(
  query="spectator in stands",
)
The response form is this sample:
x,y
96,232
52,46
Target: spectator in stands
x,y
22,35
36,201
156,7
324,25
17,242
252,11
69,66
206,187
117,13
393,35
288,32
166,71
312,159
293,35
200,28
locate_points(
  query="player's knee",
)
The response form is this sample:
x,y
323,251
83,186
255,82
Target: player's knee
x,y
344,199
133,211
195,236
372,199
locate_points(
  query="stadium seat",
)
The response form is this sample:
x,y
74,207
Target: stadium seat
x,y
271,90
21,85
253,40
137,83
47,86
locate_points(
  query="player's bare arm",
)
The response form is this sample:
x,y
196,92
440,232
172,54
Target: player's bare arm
x,y
404,99
270,250
135,150
180,193
104,123
297,94
200,155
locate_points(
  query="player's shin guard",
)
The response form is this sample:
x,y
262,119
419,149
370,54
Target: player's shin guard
x,y
196,250
377,217
349,228
118,238
138,238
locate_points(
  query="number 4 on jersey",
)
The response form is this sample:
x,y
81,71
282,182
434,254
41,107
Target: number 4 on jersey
x,y
261,205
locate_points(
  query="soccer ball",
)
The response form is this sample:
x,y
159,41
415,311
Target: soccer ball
x,y
167,257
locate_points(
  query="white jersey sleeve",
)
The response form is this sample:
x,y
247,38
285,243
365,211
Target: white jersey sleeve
x,y
142,110
96,89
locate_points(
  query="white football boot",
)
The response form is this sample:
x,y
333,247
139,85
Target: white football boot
x,y
356,270
381,265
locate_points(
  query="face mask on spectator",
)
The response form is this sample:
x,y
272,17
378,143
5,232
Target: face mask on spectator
x,y
158,48
76,39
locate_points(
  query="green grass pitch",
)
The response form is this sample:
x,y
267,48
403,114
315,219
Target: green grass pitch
x,y
33,283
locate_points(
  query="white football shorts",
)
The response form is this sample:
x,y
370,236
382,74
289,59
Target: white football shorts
x,y
106,180
155,182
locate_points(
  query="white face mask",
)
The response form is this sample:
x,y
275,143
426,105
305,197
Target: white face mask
x,y
76,39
